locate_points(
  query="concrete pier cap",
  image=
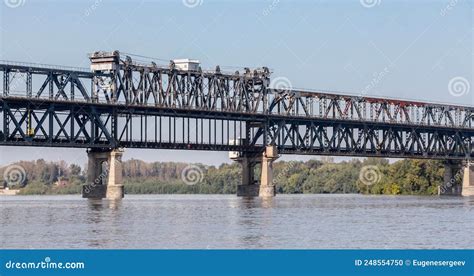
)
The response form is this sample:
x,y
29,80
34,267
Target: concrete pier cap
x,y
104,174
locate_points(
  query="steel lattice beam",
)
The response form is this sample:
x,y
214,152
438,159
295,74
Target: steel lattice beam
x,y
126,105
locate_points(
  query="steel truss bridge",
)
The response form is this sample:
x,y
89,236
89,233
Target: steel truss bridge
x,y
124,103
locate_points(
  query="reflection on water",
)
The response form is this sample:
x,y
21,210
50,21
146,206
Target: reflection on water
x,y
252,220
226,221
256,202
98,205
468,202
102,212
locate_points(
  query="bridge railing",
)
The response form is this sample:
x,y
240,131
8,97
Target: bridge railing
x,y
43,66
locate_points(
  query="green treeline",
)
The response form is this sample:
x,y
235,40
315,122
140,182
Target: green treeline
x,y
369,176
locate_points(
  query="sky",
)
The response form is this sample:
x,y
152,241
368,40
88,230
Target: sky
x,y
398,49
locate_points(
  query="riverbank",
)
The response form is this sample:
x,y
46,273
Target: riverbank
x,y
369,176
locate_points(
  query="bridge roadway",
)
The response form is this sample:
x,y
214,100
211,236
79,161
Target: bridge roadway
x,y
122,103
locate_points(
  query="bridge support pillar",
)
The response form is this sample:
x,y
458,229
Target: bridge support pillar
x,y
104,175
468,180
248,187
267,187
450,184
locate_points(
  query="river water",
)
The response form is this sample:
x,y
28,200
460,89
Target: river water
x,y
226,221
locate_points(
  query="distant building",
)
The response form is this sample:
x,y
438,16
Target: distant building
x,y
5,190
62,182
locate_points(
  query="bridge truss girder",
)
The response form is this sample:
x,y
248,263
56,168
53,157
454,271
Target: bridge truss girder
x,y
58,124
296,103
362,139
140,85
127,106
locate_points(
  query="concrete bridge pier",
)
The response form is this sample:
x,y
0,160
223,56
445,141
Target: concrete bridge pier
x,y
450,184
104,174
468,180
267,187
250,186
